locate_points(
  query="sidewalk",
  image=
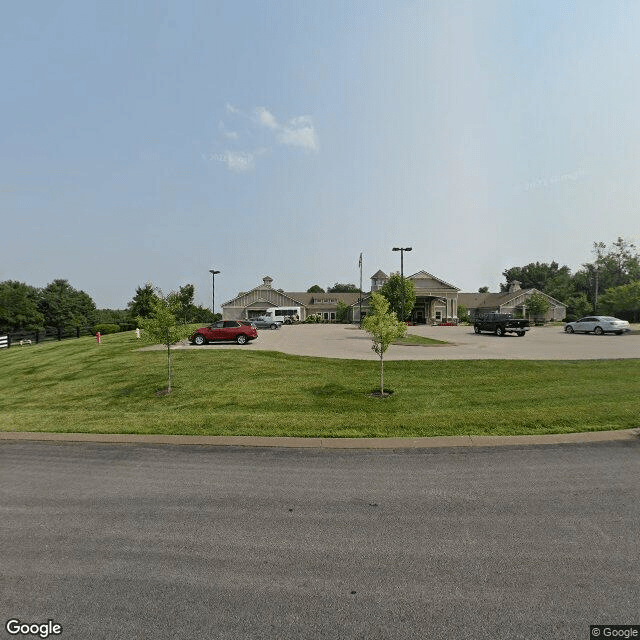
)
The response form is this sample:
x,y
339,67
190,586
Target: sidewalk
x,y
330,443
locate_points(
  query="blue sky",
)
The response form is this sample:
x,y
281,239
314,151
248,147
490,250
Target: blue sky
x,y
153,141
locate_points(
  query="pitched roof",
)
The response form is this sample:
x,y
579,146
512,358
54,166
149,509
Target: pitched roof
x,y
490,300
379,274
422,274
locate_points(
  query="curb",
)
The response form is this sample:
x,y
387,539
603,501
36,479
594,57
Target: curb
x,y
328,443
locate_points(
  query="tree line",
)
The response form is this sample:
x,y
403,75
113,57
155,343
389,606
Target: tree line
x,y
609,284
61,309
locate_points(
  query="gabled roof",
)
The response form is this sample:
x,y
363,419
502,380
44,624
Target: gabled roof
x,y
424,274
379,274
265,290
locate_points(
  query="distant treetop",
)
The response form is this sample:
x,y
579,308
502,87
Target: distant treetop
x,y
340,287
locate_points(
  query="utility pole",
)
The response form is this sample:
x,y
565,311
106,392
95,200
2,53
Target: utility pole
x,y
402,250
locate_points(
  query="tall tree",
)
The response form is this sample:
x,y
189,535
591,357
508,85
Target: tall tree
x,y
613,267
623,301
64,307
316,288
392,290
549,278
143,303
19,307
340,287
184,300
384,327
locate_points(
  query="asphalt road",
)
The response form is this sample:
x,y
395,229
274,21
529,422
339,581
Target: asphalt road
x,y
135,542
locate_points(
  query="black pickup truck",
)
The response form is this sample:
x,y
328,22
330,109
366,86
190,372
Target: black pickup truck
x,y
500,324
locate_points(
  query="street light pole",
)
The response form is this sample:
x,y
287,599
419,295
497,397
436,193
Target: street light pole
x,y
402,250
213,290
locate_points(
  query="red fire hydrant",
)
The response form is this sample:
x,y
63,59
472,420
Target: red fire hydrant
x,y
98,337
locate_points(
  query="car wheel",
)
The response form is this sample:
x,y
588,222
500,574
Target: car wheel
x,y
241,339
598,331
499,332
200,340
273,326
476,329
619,333
520,334
568,329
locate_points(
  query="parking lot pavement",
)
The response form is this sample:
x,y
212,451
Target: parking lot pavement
x,y
350,342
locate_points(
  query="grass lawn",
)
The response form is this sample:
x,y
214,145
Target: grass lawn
x,y
79,386
410,339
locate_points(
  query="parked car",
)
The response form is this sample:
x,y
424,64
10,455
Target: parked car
x,y
232,330
265,322
500,324
598,325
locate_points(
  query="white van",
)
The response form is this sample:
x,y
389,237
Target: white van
x,y
286,315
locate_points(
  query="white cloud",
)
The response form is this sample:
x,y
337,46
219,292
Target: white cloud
x,y
239,160
233,135
266,118
299,132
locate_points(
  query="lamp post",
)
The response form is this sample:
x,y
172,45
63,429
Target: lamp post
x,y
402,250
213,289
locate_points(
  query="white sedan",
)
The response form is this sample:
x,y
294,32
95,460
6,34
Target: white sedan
x,y
598,325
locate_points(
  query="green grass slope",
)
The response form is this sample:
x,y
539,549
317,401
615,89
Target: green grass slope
x,y
79,386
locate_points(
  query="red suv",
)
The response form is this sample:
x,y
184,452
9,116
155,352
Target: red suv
x,y
234,330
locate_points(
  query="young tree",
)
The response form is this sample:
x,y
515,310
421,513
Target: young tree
x,y
384,327
463,313
392,291
537,305
161,326
342,312
578,306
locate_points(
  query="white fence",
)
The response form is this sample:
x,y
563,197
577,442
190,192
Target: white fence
x,y
4,341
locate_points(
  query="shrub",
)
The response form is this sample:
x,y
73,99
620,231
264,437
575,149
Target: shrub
x,y
104,328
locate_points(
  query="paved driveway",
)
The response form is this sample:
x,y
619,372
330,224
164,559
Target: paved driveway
x,y
346,341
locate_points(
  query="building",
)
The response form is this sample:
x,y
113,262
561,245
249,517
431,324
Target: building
x,y
436,301
513,301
